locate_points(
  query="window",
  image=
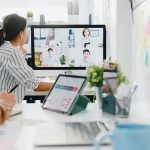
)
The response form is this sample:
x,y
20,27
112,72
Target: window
x,y
54,10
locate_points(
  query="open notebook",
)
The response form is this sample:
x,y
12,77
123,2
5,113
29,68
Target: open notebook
x,y
17,109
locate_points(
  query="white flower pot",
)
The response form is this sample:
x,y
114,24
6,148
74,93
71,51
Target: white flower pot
x,y
99,96
30,20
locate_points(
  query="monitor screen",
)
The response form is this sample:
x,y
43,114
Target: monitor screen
x,y
67,46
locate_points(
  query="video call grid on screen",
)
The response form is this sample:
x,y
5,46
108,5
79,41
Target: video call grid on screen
x,y
67,46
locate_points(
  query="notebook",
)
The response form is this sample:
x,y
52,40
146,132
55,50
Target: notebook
x,y
68,134
17,109
64,92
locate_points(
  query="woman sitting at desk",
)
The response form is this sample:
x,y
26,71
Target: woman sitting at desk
x,y
7,101
13,66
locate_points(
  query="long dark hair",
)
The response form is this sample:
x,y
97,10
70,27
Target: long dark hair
x,y
49,38
83,32
12,25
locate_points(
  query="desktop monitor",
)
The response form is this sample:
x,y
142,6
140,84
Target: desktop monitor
x,y
67,47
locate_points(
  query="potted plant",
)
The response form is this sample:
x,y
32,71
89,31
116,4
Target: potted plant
x,y
121,78
95,76
29,14
30,17
62,60
95,79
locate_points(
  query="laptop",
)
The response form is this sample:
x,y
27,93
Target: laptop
x,y
68,133
111,83
64,92
60,99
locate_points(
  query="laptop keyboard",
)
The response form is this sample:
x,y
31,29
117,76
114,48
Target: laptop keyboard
x,y
83,130
71,133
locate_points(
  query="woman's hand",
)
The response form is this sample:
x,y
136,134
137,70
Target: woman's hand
x,y
8,98
7,101
44,86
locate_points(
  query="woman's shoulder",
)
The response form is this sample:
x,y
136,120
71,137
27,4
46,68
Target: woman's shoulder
x,y
7,48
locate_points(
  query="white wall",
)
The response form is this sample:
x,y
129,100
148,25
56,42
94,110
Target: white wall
x,y
93,7
111,29
140,71
54,10
123,35
129,50
98,12
83,11
83,16
118,20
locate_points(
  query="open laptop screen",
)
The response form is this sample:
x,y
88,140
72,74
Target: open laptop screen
x,y
111,83
63,92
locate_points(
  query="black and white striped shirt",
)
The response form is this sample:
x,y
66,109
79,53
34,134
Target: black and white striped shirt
x,y
14,70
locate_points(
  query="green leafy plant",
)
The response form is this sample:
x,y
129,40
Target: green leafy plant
x,y
121,78
62,60
29,14
95,76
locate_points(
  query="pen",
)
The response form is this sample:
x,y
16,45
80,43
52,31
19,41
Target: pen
x,y
132,90
11,90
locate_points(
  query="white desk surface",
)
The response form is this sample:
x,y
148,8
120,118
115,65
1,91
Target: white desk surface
x,y
18,132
